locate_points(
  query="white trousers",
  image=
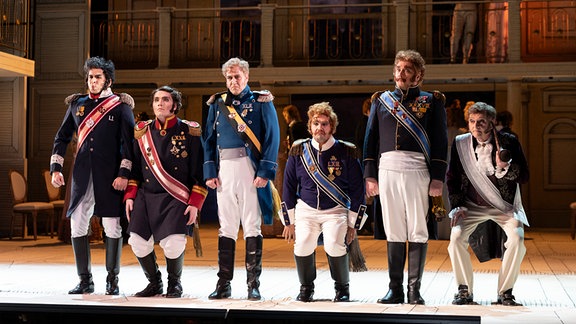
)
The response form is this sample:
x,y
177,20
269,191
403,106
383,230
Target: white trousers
x,y
404,201
172,245
80,218
310,222
237,199
512,258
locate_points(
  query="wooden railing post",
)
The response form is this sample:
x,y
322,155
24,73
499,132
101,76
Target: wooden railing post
x,y
164,36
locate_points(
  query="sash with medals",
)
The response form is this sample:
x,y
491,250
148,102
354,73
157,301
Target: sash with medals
x,y
485,188
169,183
241,127
95,116
326,184
396,109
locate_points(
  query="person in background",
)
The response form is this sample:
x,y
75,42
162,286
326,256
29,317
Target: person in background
x,y
241,143
104,123
405,154
463,24
504,121
484,176
166,190
297,129
323,193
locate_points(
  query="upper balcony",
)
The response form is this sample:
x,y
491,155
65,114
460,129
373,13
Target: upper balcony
x,y
14,40
367,34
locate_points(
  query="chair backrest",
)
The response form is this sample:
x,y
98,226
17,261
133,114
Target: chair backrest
x,y
18,185
53,192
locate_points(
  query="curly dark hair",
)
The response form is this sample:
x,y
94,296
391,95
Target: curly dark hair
x,y
107,67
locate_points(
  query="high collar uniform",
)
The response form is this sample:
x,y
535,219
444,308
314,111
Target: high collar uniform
x,y
105,154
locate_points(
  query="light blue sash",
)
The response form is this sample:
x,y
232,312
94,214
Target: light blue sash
x,y
396,109
325,184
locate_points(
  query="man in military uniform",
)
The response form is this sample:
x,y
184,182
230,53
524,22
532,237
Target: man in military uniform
x,y
104,123
405,152
241,142
323,192
165,190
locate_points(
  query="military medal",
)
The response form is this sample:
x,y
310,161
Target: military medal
x,y
235,102
334,168
90,123
163,132
241,128
244,112
232,115
80,111
174,150
184,154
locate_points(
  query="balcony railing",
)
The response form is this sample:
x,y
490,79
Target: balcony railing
x,y
363,34
14,27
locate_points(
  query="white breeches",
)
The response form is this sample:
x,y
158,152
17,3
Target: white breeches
x,y
237,199
172,245
80,218
310,222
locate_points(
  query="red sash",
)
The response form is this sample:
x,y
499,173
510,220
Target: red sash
x,y
95,116
169,183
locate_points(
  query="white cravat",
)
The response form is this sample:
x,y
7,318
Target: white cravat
x,y
484,156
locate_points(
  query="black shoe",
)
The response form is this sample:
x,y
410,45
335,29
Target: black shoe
x,y
223,290
112,285
306,293
507,299
342,293
414,298
254,293
84,287
392,297
463,297
174,289
153,289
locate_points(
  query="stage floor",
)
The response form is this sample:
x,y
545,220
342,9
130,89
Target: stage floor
x,y
36,276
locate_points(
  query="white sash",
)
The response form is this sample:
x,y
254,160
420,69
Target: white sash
x,y
485,188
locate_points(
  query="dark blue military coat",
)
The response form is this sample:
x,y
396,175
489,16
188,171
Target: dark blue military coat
x,y
105,154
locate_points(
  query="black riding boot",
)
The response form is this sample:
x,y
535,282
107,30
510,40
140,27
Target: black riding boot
x,y
416,261
306,267
174,269
253,266
81,247
339,270
150,268
226,253
113,254
396,261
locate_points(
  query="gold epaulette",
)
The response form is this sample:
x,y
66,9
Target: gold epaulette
x,y
263,96
375,95
127,99
71,98
141,128
440,96
213,97
193,127
296,148
352,150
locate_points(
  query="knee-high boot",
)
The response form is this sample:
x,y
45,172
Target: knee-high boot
x,y
253,266
416,261
113,254
306,267
81,247
174,269
341,275
150,268
226,253
396,262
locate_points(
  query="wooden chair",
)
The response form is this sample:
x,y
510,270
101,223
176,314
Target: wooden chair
x,y
21,206
573,219
54,196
